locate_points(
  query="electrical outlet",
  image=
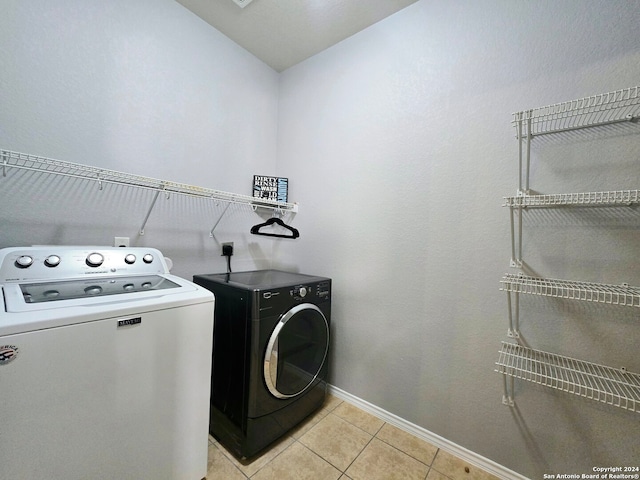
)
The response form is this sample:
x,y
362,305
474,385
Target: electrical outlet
x,y
121,241
227,249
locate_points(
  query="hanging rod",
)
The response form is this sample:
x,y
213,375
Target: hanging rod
x,y
35,163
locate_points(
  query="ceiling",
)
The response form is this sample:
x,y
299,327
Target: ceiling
x,y
284,32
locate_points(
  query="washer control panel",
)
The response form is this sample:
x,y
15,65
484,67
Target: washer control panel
x,y
21,264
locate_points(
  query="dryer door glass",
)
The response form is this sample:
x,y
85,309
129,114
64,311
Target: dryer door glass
x,y
296,351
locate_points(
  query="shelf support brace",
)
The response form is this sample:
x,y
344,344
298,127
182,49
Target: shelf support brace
x,y
519,135
507,397
99,178
514,315
153,204
219,218
529,135
516,237
524,151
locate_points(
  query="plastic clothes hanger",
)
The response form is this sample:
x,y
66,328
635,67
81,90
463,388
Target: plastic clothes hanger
x,y
256,229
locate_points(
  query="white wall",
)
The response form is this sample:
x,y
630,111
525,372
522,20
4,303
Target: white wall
x,y
400,148
143,87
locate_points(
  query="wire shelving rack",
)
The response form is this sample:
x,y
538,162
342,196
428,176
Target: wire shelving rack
x,y
100,176
613,386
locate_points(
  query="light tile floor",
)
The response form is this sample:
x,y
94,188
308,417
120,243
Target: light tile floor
x,y
342,442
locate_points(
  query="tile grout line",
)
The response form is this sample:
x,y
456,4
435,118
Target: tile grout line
x,y
319,456
342,472
444,445
297,440
361,451
346,421
375,435
407,453
219,448
276,456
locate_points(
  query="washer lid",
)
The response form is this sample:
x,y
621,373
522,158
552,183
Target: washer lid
x,y
17,316
83,292
91,288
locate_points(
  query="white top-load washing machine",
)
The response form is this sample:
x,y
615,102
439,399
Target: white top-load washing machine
x,y
105,366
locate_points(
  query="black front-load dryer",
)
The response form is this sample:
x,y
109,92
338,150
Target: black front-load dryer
x,y
270,354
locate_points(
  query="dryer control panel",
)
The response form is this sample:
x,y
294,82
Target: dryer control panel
x,y
302,292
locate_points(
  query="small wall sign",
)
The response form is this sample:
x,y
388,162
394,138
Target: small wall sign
x,y
270,188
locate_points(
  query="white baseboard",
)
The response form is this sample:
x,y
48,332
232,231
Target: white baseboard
x,y
435,440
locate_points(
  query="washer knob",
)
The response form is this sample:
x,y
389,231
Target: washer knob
x,y
303,292
52,261
130,259
148,258
24,261
95,259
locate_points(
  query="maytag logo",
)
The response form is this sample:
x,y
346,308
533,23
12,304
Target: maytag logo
x,y
8,353
129,321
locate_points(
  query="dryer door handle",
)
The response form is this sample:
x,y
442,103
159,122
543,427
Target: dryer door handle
x,y
272,365
304,378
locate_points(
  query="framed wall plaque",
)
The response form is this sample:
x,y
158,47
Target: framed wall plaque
x,y
270,188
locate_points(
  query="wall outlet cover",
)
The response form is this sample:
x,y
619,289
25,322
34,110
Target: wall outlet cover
x,y
121,242
242,3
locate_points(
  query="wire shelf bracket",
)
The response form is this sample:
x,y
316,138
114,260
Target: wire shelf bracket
x,y
515,217
23,161
153,204
218,221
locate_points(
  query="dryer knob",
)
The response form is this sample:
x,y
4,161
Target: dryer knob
x,y
130,259
303,292
148,258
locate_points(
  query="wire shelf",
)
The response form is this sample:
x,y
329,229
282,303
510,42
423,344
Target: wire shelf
x,y
623,295
25,161
612,386
603,199
603,109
